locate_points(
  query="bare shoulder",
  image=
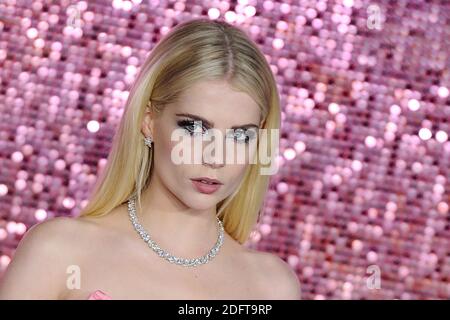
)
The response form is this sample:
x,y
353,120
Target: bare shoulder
x,y
281,280
63,227
38,267
53,235
59,233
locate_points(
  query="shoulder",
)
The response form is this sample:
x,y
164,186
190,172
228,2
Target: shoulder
x,y
59,226
281,280
56,234
40,261
51,236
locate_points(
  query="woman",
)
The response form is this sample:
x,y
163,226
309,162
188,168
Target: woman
x,y
154,228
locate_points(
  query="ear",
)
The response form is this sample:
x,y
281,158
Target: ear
x,y
148,122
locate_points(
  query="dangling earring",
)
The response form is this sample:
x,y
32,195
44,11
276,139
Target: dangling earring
x,y
148,142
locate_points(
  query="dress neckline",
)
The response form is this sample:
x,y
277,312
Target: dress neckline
x,y
99,295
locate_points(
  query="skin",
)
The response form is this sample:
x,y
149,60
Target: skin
x,y
112,257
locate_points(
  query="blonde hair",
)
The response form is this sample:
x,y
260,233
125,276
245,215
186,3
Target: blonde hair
x,y
194,50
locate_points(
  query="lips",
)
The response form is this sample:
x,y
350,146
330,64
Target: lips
x,y
207,180
206,185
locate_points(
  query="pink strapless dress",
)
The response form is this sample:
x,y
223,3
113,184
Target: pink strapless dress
x,y
99,295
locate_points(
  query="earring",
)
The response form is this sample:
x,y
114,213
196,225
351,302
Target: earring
x,y
148,142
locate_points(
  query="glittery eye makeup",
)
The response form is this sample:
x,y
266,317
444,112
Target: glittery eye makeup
x,y
195,125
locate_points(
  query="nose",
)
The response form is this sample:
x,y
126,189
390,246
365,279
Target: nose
x,y
213,159
213,163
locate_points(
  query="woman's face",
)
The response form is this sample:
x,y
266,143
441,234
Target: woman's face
x,y
207,109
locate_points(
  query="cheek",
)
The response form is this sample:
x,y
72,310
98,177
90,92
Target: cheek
x,y
235,174
241,154
163,153
162,149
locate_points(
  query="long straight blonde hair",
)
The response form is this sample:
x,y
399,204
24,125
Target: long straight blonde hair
x,y
194,50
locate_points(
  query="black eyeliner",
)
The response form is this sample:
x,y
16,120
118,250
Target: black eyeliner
x,y
191,122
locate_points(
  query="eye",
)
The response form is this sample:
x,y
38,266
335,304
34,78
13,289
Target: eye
x,y
192,127
243,136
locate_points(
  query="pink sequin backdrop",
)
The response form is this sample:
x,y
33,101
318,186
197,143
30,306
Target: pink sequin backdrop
x,y
363,188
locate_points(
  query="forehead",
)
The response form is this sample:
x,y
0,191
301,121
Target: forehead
x,y
219,103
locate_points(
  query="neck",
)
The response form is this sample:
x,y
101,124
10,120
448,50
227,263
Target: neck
x,y
183,231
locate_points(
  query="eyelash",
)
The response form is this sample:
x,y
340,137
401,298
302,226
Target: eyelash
x,y
189,123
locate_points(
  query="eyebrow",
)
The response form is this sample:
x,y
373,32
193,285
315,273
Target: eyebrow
x,y
211,124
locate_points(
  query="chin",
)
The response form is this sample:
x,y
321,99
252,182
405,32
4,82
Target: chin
x,y
202,202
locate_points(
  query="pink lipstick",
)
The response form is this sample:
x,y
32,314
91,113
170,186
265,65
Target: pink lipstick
x,y
206,185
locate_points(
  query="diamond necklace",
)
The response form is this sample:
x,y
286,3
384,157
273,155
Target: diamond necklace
x,y
166,255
